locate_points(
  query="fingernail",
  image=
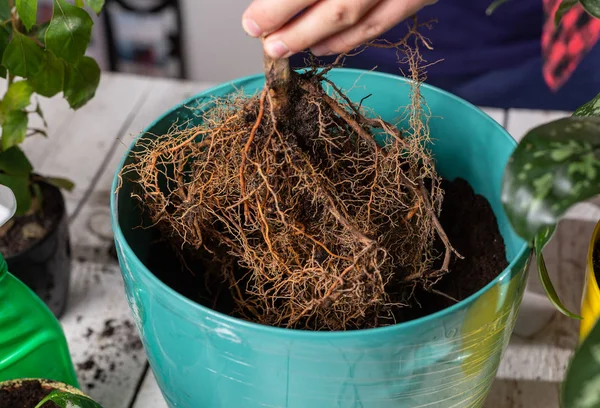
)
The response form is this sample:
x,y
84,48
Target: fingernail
x,y
251,27
321,50
277,49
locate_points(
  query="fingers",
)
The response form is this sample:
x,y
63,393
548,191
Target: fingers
x,y
266,16
379,20
320,21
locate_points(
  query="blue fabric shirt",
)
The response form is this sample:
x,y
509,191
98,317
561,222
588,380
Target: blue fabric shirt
x,y
469,41
492,60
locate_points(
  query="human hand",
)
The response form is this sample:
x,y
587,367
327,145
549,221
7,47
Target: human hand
x,y
325,26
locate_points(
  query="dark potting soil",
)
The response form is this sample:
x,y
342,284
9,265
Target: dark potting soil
x,y
15,241
27,395
472,228
467,218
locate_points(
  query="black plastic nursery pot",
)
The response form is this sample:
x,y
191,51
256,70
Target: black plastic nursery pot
x,y
45,266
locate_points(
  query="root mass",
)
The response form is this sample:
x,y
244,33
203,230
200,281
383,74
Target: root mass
x,y
315,213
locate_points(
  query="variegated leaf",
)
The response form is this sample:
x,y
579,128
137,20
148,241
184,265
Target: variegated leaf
x,y
555,166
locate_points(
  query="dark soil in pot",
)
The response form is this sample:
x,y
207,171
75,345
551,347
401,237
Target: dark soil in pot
x,y
470,224
37,250
472,227
26,395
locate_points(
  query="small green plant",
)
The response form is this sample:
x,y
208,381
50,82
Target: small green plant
x,y
555,166
68,400
43,58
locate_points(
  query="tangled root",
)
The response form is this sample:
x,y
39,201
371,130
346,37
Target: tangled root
x,y
291,198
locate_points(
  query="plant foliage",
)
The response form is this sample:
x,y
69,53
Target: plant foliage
x,y
43,58
68,400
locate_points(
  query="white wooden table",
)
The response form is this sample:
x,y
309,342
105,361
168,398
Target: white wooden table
x,y
87,146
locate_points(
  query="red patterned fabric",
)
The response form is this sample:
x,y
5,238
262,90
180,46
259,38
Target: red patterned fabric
x,y
564,46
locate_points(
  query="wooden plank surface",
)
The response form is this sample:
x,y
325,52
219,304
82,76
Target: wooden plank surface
x,y
110,367
150,395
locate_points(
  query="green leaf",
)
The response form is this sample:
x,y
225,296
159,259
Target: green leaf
x,y
539,243
40,32
565,6
592,7
495,4
60,183
14,129
81,82
4,39
27,10
14,162
555,166
592,108
17,97
5,13
581,387
68,400
79,3
96,5
20,188
51,78
69,32
23,57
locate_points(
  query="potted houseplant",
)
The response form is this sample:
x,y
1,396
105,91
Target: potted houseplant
x,y
43,58
554,167
39,393
204,357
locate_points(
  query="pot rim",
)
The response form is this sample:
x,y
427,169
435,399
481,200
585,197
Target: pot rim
x,y
123,246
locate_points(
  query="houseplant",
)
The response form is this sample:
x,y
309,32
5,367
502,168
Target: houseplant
x,y
554,167
43,58
38,393
219,360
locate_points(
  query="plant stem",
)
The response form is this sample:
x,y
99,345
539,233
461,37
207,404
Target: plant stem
x,y
278,80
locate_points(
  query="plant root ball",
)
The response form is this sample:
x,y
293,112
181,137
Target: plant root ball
x,y
305,217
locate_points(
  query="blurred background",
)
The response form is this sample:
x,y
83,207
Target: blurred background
x,y
155,37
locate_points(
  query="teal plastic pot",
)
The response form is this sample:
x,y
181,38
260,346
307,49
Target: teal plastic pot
x,y
204,359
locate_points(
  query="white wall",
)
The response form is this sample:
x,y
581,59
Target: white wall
x,y
217,47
